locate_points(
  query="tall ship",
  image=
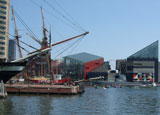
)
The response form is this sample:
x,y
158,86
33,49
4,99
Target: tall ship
x,y
10,67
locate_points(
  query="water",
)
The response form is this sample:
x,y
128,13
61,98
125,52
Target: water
x,y
112,101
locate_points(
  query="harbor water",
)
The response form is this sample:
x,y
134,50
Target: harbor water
x,y
94,101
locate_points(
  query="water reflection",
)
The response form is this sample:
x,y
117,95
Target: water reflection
x,y
112,101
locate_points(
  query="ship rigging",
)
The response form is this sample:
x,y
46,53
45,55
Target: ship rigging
x,y
42,56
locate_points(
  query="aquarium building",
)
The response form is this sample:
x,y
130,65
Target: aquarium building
x,y
142,65
84,65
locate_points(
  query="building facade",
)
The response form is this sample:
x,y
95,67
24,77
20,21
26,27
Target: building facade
x,y
83,66
4,28
141,66
12,50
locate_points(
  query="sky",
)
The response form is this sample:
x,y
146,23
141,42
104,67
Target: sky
x,y
117,28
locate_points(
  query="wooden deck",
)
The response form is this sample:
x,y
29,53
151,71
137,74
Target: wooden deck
x,y
43,89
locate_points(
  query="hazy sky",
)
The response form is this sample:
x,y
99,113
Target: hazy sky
x,y
118,28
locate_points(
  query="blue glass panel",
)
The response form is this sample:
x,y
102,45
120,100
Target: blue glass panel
x,y
2,32
2,48
2,37
2,53
2,27
3,2
2,12
2,22
2,17
3,43
150,51
3,7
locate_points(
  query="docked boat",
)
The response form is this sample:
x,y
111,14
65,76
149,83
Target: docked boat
x,y
9,69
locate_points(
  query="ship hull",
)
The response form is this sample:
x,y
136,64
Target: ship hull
x,y
10,69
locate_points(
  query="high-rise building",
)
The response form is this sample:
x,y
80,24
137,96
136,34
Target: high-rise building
x,y
12,50
4,28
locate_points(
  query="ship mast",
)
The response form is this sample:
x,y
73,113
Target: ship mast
x,y
45,44
16,34
44,40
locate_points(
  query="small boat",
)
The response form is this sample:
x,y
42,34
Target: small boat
x,y
104,88
154,84
95,86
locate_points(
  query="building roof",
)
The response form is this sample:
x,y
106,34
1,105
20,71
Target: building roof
x,y
150,51
84,57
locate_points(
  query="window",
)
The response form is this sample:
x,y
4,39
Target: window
x,y
2,48
2,27
2,17
129,68
2,32
68,62
150,52
2,12
2,22
2,37
3,7
2,43
3,2
2,53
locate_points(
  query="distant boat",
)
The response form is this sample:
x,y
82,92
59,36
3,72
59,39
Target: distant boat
x,y
154,84
104,87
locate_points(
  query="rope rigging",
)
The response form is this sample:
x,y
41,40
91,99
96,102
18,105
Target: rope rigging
x,y
74,43
22,41
73,22
68,45
19,46
70,23
70,16
24,24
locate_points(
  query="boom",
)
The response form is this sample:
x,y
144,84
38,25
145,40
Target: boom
x,y
62,41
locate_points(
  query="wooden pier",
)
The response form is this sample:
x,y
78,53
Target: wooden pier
x,y
43,89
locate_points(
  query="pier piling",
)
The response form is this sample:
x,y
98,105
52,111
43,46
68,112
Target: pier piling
x,y
3,92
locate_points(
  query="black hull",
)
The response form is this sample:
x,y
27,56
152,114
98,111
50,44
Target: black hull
x,y
8,70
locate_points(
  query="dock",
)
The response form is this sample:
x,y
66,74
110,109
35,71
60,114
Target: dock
x,y
43,89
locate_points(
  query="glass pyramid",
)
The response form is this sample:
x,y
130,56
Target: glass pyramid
x,y
149,52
